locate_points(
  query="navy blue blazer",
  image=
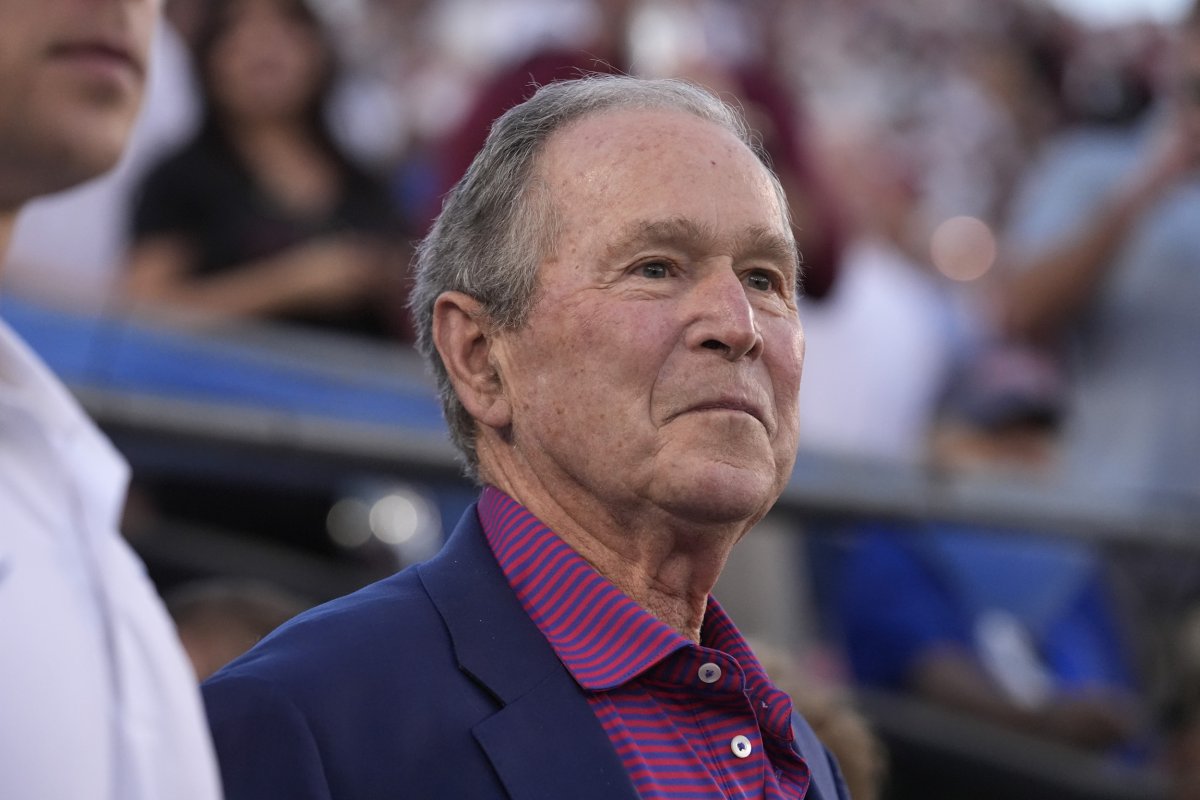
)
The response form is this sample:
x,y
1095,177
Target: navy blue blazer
x,y
433,683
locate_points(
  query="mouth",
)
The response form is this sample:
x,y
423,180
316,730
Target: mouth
x,y
729,405
99,54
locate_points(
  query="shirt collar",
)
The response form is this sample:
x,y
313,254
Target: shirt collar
x,y
26,384
34,399
600,634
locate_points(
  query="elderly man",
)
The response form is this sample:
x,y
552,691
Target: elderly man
x,y
96,698
608,300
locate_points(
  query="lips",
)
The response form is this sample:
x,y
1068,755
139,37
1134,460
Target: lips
x,y
730,404
99,50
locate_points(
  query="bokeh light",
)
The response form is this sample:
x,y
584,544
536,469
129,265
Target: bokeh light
x,y
963,248
346,523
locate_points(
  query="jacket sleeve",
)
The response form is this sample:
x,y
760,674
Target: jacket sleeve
x,y
264,744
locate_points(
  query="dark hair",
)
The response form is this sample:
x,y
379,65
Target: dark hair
x,y
213,28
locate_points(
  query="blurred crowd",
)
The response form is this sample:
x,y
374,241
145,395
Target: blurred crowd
x,y
997,205
291,152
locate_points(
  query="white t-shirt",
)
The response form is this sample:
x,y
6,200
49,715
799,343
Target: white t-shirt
x,y
97,700
878,354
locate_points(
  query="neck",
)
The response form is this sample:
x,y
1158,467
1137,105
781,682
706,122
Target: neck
x,y
668,565
661,569
266,134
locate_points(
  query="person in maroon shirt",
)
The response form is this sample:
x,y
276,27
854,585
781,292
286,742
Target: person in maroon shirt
x,y
608,301
819,222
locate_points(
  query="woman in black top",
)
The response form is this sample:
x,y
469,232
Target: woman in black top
x,y
262,214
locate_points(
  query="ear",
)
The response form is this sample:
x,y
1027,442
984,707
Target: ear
x,y
464,341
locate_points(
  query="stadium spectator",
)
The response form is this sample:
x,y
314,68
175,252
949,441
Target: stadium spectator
x,y
96,699
1017,629
86,270
262,214
1104,258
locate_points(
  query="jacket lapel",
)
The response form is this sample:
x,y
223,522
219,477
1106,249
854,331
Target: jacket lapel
x,y
545,741
548,744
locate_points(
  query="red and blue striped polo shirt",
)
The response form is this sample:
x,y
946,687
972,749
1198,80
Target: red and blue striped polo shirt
x,y
688,721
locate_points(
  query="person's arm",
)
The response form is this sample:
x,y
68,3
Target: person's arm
x,y
324,274
906,632
951,677
1045,291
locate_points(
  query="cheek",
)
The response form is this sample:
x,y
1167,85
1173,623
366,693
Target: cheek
x,y
612,336
546,372
602,363
143,21
786,358
786,366
18,62
10,81
632,351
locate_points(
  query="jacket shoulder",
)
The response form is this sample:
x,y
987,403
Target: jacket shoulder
x,y
388,625
308,712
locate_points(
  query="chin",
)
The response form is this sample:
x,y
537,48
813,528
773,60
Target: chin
x,y
87,154
93,124
720,492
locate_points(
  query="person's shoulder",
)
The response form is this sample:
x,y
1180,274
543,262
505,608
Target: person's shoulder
x,y
197,161
349,652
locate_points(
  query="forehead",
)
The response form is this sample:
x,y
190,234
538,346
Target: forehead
x,y
643,165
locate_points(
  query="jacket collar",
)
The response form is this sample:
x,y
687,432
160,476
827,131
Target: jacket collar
x,y
545,740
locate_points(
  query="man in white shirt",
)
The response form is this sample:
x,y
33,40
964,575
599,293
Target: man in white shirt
x,y
96,699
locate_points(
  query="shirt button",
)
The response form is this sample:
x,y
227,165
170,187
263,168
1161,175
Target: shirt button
x,y
710,673
740,746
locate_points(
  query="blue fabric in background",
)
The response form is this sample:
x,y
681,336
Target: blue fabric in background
x,y
903,593
123,355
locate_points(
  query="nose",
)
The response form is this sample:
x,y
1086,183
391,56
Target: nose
x,y
723,318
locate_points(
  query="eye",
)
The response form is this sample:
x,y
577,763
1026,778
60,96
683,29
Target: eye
x,y
654,270
760,280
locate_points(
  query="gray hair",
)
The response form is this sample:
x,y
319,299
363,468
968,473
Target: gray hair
x,y
497,224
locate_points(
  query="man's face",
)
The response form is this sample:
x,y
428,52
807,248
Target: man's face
x,y
661,361
71,77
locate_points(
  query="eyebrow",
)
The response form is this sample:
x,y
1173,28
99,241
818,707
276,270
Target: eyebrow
x,y
755,242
